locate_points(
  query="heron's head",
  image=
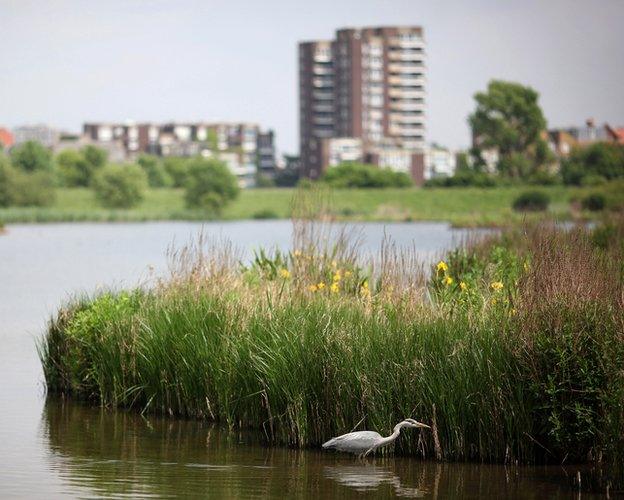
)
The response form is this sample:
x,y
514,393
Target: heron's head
x,y
415,423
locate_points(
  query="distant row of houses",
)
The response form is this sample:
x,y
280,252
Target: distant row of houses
x,y
246,148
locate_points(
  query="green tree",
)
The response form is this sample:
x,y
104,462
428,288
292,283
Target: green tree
x,y
95,157
508,118
31,156
177,168
72,169
157,175
210,185
22,188
600,160
120,186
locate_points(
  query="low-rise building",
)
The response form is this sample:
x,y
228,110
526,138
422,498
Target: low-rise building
x,y
43,134
6,138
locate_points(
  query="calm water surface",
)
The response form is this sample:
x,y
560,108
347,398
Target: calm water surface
x,y
60,449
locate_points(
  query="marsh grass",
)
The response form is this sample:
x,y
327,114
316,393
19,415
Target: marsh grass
x,y
513,345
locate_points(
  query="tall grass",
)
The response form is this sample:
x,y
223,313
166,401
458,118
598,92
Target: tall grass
x,y
512,348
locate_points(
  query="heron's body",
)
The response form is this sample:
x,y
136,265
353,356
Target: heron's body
x,y
364,442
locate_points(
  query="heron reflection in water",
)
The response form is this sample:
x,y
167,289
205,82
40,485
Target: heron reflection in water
x,y
366,477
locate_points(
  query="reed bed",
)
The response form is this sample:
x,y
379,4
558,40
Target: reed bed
x,y
512,346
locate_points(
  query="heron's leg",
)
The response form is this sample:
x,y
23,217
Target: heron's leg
x,y
367,452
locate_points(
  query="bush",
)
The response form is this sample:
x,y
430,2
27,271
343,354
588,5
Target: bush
x,y
264,181
600,159
266,213
543,178
31,157
177,168
357,175
157,175
77,168
464,179
24,189
593,180
594,202
210,185
531,201
120,186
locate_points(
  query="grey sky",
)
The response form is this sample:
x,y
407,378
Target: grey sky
x,y
66,62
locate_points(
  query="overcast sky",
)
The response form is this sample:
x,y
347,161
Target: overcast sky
x,y
66,62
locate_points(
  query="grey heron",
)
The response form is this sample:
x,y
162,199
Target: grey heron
x,y
364,442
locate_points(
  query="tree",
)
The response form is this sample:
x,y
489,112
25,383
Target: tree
x,y
120,186
31,156
157,176
95,157
508,118
77,168
598,161
21,188
210,185
72,168
177,168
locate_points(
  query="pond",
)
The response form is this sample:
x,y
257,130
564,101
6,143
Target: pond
x,y
59,449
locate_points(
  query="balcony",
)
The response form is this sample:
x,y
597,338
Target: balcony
x,y
323,120
405,56
405,119
405,80
323,83
406,44
406,94
407,67
406,105
318,69
323,96
323,108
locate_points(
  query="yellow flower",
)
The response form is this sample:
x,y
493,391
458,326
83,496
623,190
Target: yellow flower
x,y
334,287
347,274
321,285
526,266
284,273
447,281
493,302
513,312
313,288
462,286
442,266
337,276
365,285
496,285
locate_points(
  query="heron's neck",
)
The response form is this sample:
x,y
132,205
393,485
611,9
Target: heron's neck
x,y
391,437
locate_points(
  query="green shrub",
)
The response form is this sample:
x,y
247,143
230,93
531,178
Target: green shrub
x,y
31,156
357,175
210,185
77,168
265,213
177,168
544,178
157,175
531,201
464,179
593,180
594,202
23,188
120,186
601,159
264,181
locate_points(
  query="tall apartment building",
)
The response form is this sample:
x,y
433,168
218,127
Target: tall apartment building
x,y
367,84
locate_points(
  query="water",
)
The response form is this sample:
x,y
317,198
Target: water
x,y
61,449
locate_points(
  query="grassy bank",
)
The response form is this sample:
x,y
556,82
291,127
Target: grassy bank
x,y
511,348
460,206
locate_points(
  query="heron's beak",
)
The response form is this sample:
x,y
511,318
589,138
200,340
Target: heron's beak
x,y
418,424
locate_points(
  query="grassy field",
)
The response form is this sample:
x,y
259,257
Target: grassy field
x,y
511,348
460,206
